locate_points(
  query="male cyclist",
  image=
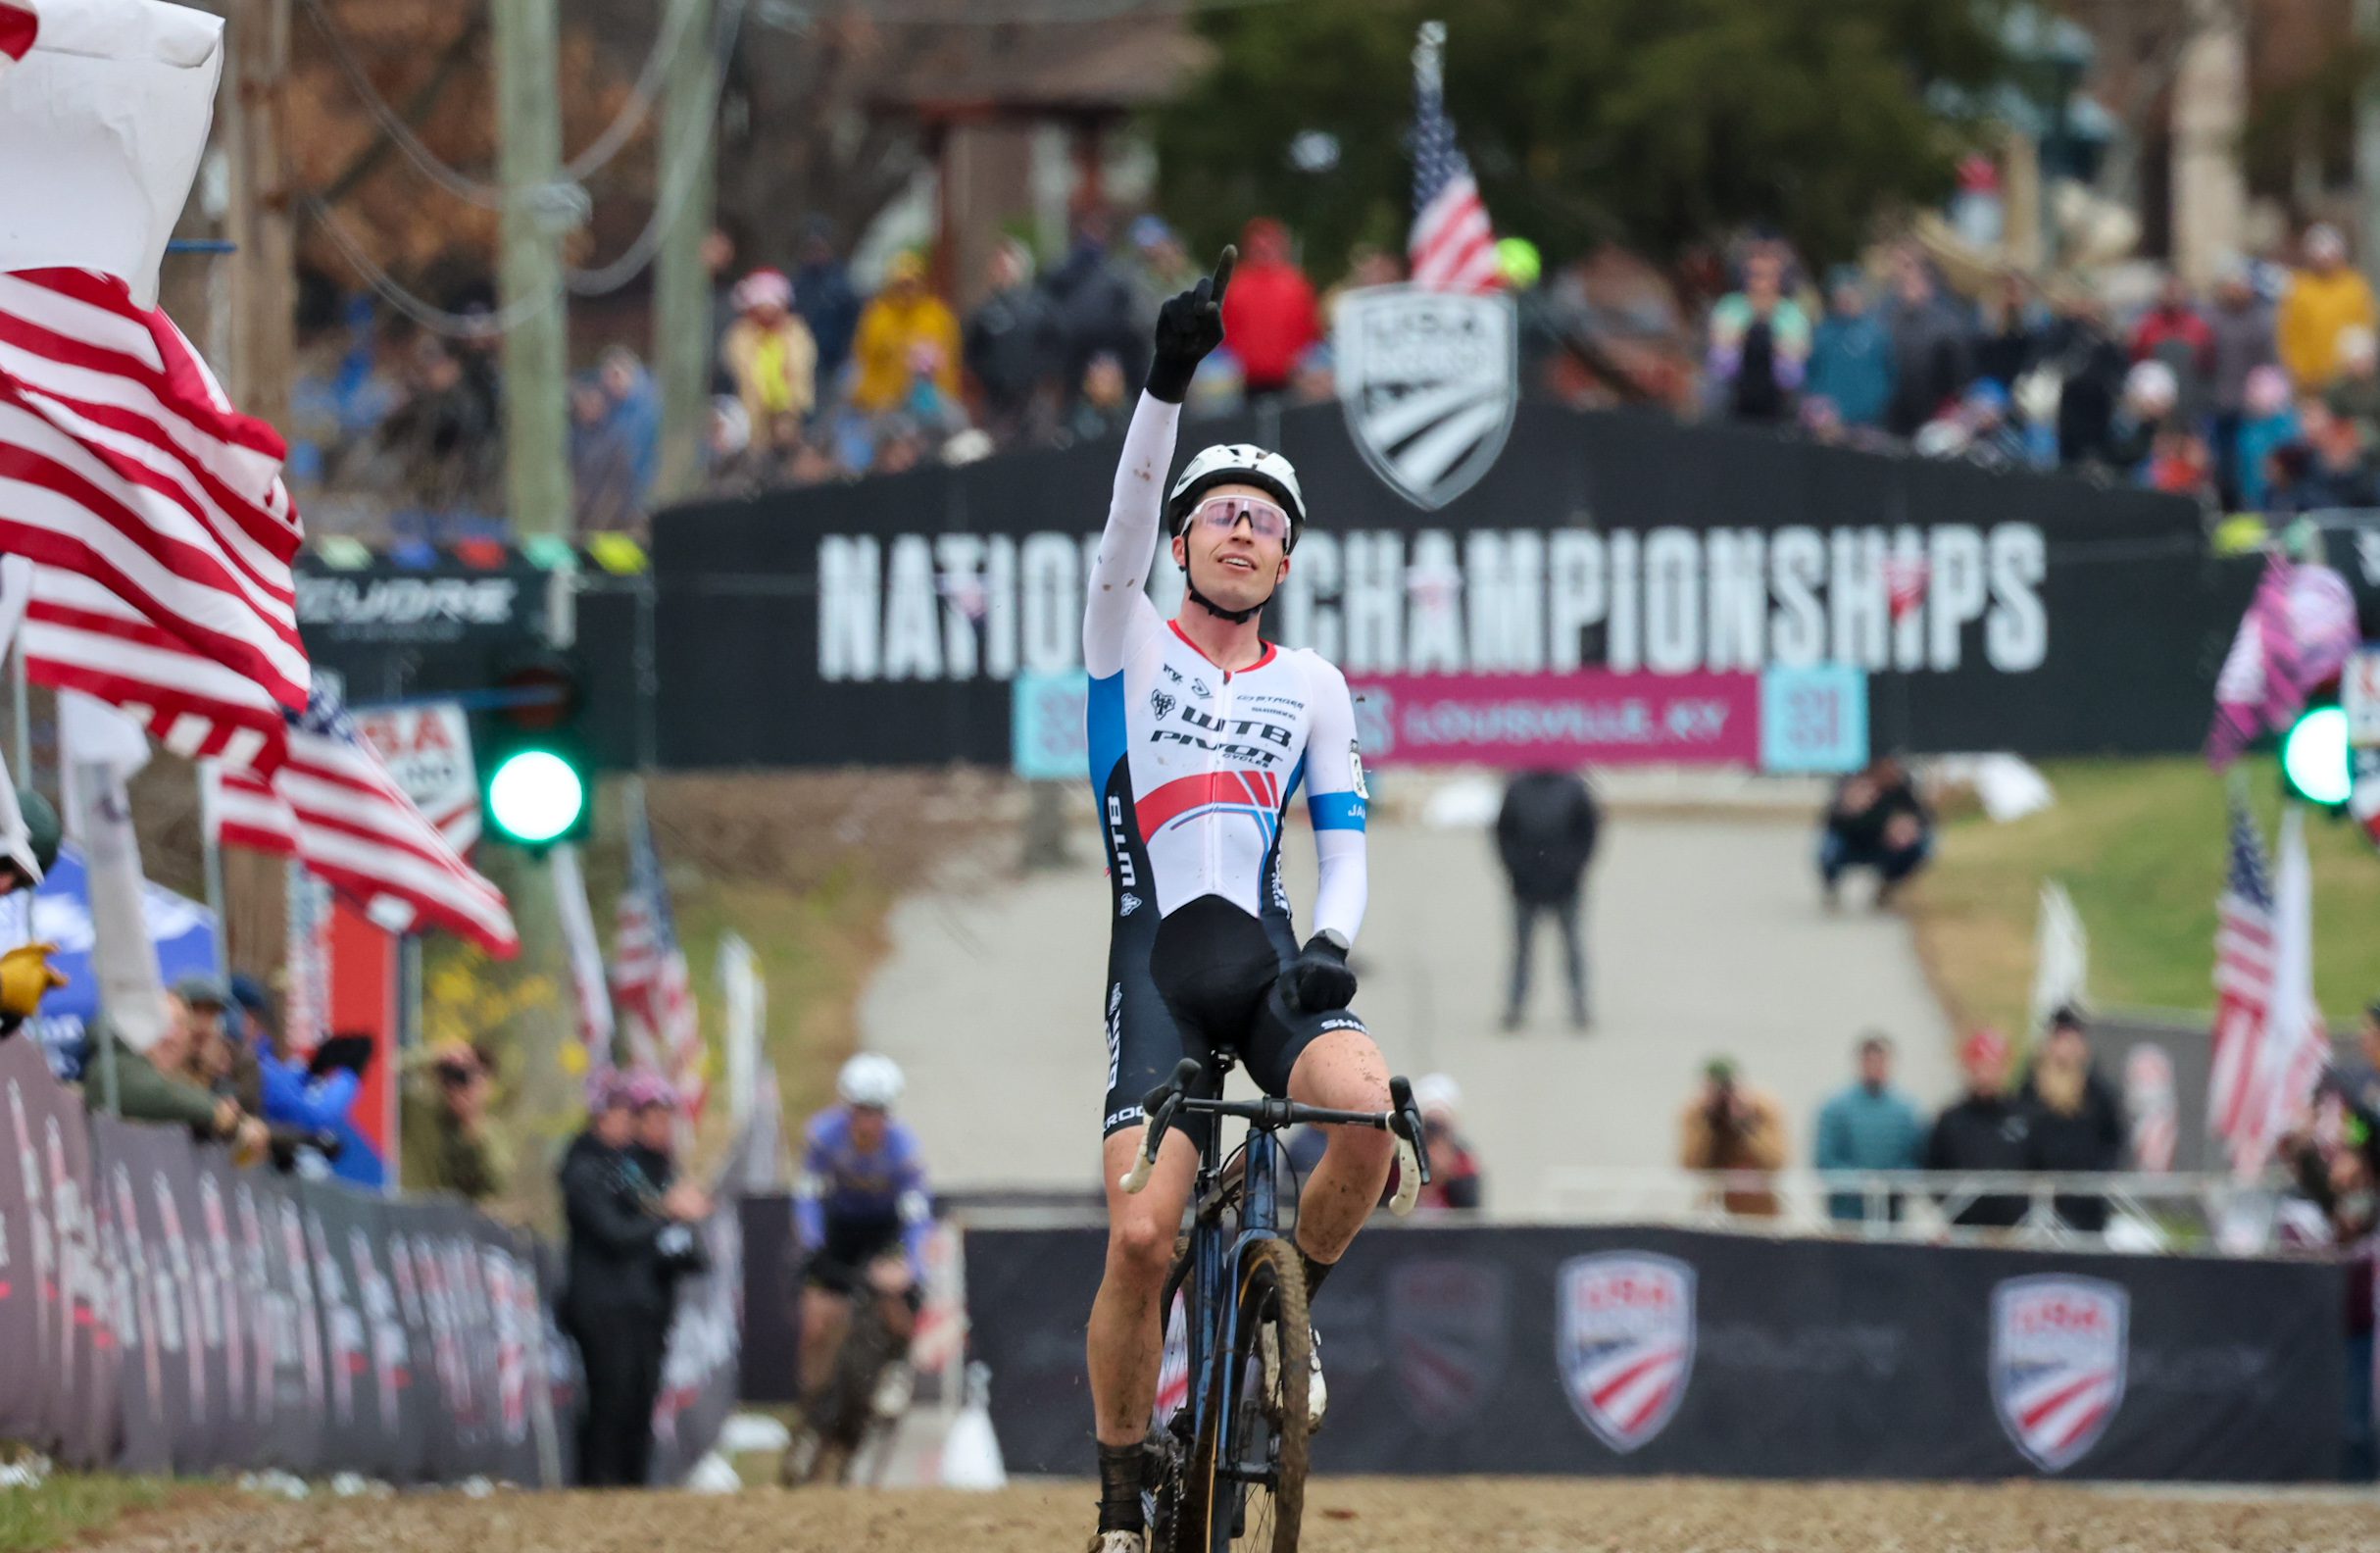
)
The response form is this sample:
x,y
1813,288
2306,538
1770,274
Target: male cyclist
x,y
860,1198
1201,733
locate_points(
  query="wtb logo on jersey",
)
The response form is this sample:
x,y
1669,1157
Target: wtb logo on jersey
x,y
1429,380
1448,1327
2058,1362
1625,1342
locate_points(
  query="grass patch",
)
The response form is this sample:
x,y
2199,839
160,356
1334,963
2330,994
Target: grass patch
x,y
2141,847
68,1504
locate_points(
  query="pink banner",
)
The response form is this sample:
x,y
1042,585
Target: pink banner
x,y
1590,717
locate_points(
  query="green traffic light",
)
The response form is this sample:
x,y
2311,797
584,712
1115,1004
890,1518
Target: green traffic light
x,y
536,796
2314,757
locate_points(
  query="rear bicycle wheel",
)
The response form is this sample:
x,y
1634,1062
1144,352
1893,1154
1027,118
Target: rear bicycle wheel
x,y
1244,1483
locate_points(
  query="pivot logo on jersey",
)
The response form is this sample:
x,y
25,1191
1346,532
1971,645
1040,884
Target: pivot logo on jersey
x,y
1625,1342
2059,1345
1448,1327
1161,703
1354,768
1429,380
1128,905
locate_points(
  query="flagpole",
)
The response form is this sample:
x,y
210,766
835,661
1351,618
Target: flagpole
x,y
210,862
1429,55
20,715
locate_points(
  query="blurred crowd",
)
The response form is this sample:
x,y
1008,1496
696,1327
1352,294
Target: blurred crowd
x,y
2262,395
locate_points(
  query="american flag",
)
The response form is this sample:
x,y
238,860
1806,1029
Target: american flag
x,y
2267,1045
122,459
1451,248
2298,631
18,26
79,636
333,804
650,986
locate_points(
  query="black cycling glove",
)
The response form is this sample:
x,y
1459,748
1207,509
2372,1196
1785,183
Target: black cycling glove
x,y
1318,978
1188,326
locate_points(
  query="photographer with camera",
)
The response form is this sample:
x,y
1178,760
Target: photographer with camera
x,y
628,1244
449,1143
1730,1125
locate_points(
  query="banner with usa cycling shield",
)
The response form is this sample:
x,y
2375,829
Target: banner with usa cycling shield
x,y
1625,1342
2058,1350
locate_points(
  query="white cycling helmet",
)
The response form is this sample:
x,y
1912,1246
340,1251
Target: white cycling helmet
x,y
1237,464
869,1080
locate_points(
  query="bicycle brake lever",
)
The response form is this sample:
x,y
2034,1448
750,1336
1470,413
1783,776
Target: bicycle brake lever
x,y
1413,1165
1158,1105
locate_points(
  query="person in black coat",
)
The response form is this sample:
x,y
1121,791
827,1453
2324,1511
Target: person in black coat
x,y
1876,821
2075,1121
626,1235
1545,837
1986,1129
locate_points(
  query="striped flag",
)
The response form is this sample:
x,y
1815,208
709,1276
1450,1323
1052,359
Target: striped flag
x,y
333,805
2268,1041
79,636
18,27
651,989
122,459
2298,631
1452,247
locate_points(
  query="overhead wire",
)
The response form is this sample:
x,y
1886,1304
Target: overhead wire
x,y
676,181
598,153
678,165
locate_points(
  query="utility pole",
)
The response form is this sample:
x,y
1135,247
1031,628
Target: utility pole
x,y
538,211
682,324
264,263
262,340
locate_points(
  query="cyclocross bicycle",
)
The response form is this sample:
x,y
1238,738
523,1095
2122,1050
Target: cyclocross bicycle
x,y
1228,1468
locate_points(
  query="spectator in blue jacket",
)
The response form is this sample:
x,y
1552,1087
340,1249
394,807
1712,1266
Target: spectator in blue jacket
x,y
294,1094
1851,360
1869,1126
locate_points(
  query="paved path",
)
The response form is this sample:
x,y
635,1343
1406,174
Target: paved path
x,y
1704,937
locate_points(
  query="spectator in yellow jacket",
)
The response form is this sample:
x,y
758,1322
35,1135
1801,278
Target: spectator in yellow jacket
x,y
2324,297
902,317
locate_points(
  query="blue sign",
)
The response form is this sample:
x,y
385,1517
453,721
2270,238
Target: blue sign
x,y
1813,720
182,930
1046,716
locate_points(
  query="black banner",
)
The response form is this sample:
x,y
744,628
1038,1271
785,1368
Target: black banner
x,y
389,629
1992,610
162,1311
1602,1351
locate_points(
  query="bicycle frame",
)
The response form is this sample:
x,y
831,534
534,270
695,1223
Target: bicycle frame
x,y
1212,1312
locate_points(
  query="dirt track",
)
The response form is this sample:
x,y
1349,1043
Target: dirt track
x,y
1344,1516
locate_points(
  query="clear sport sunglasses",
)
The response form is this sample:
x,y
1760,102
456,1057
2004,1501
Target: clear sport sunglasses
x,y
1264,520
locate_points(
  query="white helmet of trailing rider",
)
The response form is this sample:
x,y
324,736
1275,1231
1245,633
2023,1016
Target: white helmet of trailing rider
x,y
869,1080
1237,464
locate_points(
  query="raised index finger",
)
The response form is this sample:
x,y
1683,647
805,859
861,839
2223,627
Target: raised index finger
x,y
1222,269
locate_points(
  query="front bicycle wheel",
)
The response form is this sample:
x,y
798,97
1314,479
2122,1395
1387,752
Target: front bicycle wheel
x,y
1245,1480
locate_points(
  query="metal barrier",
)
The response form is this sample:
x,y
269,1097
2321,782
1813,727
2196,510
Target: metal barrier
x,y
2144,1212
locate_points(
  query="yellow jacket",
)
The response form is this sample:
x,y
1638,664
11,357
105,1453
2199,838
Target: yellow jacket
x,y
796,393
889,330
2312,313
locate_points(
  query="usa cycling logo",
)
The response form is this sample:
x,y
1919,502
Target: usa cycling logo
x,y
1625,1342
2059,1346
1429,380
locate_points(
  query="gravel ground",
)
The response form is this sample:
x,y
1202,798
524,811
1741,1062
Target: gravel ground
x,y
1342,1516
